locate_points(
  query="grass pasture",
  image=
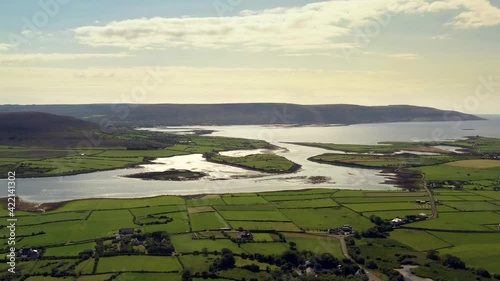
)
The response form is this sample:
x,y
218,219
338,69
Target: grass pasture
x,y
254,216
305,204
476,249
244,200
452,171
315,243
473,206
207,200
460,221
418,240
371,207
476,164
184,243
148,277
85,267
265,248
70,250
208,220
135,263
380,199
109,204
323,219
197,263
264,225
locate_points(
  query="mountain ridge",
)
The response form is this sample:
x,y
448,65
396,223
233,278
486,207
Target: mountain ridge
x,y
244,113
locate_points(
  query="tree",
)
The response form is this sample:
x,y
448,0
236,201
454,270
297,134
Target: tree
x,y
227,261
483,273
371,265
453,262
186,275
433,255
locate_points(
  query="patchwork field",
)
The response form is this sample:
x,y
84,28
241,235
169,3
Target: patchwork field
x,y
418,240
301,218
142,263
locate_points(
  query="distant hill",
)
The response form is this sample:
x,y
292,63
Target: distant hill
x,y
41,122
42,129
244,113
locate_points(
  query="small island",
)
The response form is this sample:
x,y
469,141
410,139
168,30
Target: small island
x,y
267,163
169,175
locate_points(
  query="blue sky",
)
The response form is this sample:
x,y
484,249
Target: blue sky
x,y
441,53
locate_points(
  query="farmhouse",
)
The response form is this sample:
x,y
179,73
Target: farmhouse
x,y
397,221
423,216
28,253
347,228
246,235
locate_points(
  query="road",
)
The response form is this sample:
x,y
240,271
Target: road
x,y
431,198
345,252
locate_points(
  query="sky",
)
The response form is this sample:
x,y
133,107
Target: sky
x,y
441,53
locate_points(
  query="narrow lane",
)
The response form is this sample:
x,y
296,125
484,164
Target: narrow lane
x,y
345,252
431,198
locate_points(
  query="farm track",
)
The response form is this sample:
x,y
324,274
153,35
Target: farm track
x,y
431,198
345,252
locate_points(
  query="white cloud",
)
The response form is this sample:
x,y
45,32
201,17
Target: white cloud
x,y
26,58
472,13
403,56
317,26
406,56
307,55
5,47
310,27
442,37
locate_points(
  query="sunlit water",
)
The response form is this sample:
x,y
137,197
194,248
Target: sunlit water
x,y
221,177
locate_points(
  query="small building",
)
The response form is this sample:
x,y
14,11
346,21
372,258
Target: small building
x,y
127,231
423,216
397,221
420,201
28,253
246,235
347,228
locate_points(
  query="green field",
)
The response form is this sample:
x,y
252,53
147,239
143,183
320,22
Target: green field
x,y
451,171
326,218
280,222
371,207
265,248
460,221
418,240
148,277
136,263
209,220
244,200
185,243
315,243
253,216
264,225
472,206
476,249
70,250
305,204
